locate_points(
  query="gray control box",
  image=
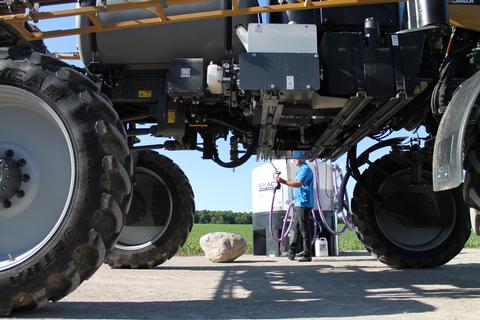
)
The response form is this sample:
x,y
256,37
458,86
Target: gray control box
x,y
279,71
186,77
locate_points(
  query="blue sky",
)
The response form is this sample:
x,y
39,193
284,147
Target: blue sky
x,y
215,188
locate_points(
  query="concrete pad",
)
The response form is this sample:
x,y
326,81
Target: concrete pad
x,y
354,285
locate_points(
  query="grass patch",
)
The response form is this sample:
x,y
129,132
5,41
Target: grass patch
x,y
473,241
192,245
347,242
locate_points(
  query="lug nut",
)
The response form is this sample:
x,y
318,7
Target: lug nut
x,y
21,162
26,178
7,204
9,153
20,193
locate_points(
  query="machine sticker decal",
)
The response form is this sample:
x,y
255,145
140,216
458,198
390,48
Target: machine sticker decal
x,y
395,40
266,186
185,73
290,83
464,1
144,93
171,117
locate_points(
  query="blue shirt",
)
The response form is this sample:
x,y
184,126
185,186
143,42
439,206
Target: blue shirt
x,y
303,197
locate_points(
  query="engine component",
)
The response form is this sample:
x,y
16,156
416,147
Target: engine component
x,y
350,67
387,15
270,117
237,157
214,78
423,13
372,33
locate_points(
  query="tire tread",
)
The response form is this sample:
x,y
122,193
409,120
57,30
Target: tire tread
x,y
59,269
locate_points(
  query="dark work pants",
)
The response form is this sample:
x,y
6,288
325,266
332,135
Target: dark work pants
x,y
301,231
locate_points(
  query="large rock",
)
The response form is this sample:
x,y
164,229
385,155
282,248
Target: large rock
x,y
223,246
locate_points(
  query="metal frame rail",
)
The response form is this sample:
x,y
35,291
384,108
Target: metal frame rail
x,y
19,20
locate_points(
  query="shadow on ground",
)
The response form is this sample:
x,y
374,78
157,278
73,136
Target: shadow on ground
x,y
293,291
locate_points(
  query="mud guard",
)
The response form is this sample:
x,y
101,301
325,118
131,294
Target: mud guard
x,y
447,155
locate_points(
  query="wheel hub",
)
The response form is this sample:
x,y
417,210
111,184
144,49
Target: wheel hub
x,y
11,178
41,174
150,213
414,217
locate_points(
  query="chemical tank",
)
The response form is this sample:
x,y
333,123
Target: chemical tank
x,y
159,45
263,185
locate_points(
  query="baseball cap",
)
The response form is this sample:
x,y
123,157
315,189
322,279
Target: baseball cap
x,y
298,154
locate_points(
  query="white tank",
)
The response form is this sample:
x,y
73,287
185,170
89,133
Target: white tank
x,y
263,183
161,44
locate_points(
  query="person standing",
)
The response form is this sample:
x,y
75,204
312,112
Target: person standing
x,y
303,198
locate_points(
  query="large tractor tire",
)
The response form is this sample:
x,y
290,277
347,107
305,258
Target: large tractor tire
x,y
160,217
64,179
471,185
400,219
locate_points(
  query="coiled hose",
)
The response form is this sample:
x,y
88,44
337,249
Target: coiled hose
x,y
317,220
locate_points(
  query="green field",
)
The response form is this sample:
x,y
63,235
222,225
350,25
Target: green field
x,y
348,241
192,246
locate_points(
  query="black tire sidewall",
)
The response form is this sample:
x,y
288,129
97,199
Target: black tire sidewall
x,y
181,221
374,239
76,249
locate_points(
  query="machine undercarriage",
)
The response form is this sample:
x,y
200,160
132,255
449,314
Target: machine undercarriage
x,y
312,76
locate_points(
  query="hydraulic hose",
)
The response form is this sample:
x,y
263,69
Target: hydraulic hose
x,y
341,202
288,219
286,225
288,222
319,207
342,199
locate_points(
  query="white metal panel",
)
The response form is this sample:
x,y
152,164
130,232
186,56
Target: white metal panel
x,y
282,38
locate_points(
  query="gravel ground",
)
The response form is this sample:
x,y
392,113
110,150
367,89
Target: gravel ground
x,y
256,287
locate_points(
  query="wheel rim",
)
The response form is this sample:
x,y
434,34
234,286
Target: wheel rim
x,y
33,136
415,218
149,218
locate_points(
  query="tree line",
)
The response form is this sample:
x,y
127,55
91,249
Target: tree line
x,y
223,217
